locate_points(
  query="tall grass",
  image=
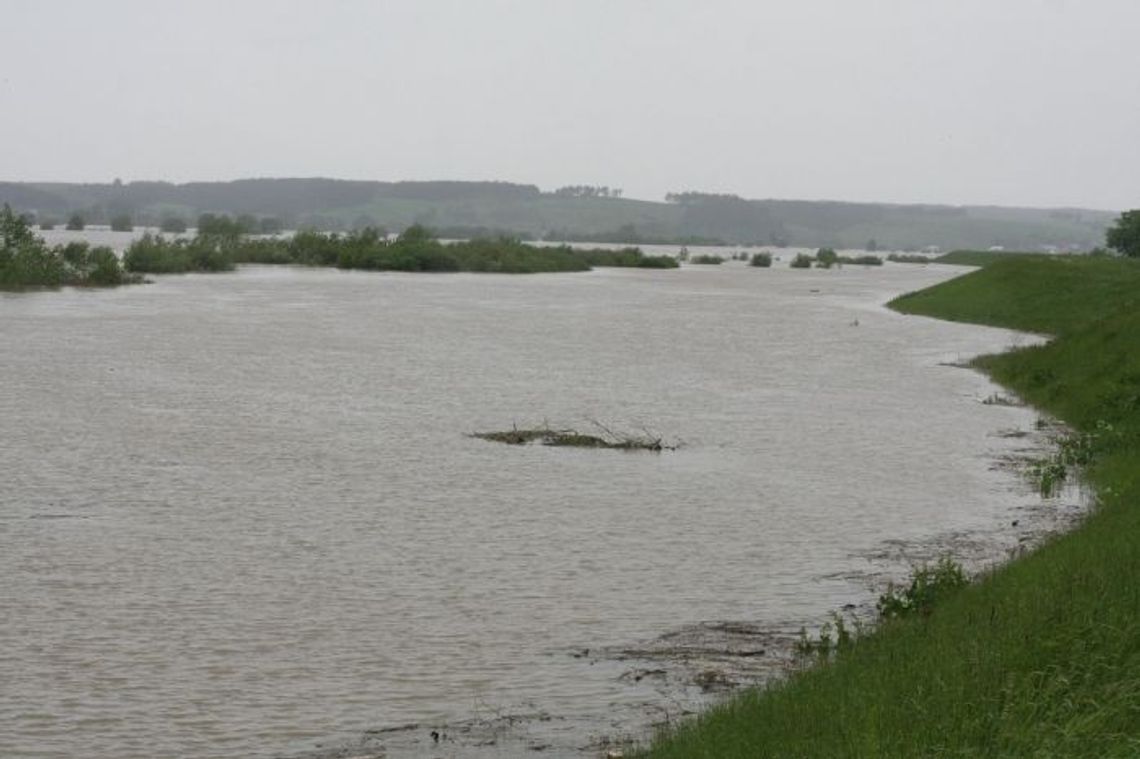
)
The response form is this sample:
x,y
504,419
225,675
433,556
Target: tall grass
x,y
1041,658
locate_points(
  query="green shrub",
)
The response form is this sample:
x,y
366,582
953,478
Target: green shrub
x,y
908,258
156,255
928,586
26,260
824,645
801,261
861,260
763,260
103,268
317,249
262,252
222,246
825,258
222,226
625,257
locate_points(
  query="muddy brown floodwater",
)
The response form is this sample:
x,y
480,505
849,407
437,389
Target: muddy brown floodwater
x,y
242,514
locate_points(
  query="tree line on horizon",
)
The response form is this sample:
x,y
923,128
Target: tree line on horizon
x,y
572,212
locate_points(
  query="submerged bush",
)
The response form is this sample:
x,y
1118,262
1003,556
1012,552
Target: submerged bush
x,y
801,261
861,260
220,244
908,258
155,254
1074,451
173,225
625,257
707,259
825,645
825,258
928,586
416,249
763,260
27,261
212,225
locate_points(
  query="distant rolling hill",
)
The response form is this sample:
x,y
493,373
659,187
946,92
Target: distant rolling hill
x,y
473,208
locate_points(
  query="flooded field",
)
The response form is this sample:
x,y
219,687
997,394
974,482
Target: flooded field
x,y
243,515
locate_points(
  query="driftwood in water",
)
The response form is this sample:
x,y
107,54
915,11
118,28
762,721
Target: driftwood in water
x,y
574,439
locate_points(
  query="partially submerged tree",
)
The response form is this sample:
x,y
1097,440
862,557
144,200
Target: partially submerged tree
x,y
222,227
174,224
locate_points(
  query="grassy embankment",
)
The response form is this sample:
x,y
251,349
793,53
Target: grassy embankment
x,y
414,250
982,257
1041,658
963,257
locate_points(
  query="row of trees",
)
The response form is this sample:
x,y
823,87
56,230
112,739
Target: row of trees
x,y
699,197
244,224
221,244
1123,236
122,222
214,224
587,191
75,222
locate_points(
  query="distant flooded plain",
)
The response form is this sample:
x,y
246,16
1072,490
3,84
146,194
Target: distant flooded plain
x,y
241,514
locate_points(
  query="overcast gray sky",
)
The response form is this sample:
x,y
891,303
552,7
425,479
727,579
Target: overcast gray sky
x,y
1013,102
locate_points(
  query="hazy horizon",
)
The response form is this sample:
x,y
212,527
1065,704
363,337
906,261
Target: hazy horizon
x,y
1027,104
549,189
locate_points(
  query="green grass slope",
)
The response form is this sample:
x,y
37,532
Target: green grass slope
x,y
980,257
1041,658
1051,294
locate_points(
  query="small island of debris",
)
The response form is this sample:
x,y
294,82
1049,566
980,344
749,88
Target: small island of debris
x,y
547,435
